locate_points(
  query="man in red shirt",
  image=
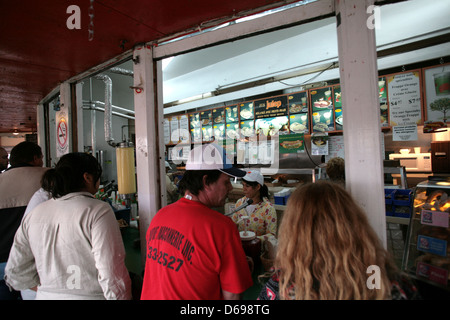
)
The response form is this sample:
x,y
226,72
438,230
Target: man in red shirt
x,y
193,251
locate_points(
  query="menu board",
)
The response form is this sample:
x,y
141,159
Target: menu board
x,y
322,108
206,123
271,107
194,119
219,131
298,112
206,118
338,107
299,123
404,98
218,127
196,127
298,102
174,132
218,115
272,126
383,98
232,130
166,131
247,128
183,122
231,114
292,143
246,110
437,89
207,133
318,110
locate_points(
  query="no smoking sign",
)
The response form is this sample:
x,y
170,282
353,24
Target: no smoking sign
x,y
62,133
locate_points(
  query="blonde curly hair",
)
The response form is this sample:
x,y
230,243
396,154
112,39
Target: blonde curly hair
x,y
326,245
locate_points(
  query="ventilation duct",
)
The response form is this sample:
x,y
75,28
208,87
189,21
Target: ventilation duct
x,y
108,108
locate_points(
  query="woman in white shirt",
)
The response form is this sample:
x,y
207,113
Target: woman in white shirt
x,y
70,246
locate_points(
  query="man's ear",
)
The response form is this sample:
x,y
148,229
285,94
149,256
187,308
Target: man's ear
x,y
205,185
87,178
36,160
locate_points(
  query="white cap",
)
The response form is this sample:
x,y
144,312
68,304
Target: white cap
x,y
212,157
254,176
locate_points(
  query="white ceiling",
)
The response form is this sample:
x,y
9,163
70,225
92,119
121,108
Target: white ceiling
x,y
292,50
297,48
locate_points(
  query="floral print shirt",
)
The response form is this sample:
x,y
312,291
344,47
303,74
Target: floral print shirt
x,y
263,219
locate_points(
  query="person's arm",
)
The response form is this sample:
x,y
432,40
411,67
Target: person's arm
x,y
20,270
271,219
231,296
234,273
109,255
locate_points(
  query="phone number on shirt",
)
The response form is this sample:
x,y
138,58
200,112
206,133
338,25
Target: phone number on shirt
x,y
164,259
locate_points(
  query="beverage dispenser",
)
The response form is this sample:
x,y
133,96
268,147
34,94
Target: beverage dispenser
x,y
126,177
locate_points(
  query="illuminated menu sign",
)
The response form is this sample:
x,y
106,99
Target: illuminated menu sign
x,y
271,107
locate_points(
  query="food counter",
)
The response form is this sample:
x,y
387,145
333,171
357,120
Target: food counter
x,y
427,252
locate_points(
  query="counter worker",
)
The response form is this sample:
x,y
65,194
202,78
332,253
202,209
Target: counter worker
x,y
262,214
171,188
194,252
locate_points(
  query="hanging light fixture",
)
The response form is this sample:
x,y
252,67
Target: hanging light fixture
x,y
15,132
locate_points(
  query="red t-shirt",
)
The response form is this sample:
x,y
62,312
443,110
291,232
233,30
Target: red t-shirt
x,y
193,252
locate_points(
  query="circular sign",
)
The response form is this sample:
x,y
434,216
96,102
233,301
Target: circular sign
x,y
62,133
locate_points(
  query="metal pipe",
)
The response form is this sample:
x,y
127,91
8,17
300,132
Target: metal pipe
x,y
94,108
93,123
114,107
125,72
108,109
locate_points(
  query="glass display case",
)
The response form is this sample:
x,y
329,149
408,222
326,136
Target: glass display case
x,y
426,256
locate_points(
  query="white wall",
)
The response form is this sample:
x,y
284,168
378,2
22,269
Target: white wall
x,y
122,96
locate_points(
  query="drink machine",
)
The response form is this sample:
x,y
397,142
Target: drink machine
x,y
126,176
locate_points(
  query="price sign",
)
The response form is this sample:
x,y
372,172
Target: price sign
x,y
404,99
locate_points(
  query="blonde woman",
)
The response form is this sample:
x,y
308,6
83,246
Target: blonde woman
x,y
327,250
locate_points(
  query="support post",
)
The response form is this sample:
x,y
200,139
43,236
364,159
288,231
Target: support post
x,y
149,149
361,109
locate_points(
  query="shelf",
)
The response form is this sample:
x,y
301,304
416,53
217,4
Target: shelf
x,y
398,220
398,170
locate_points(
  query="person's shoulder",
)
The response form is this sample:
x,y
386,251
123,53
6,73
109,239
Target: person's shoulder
x,y
267,204
240,201
33,170
85,198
